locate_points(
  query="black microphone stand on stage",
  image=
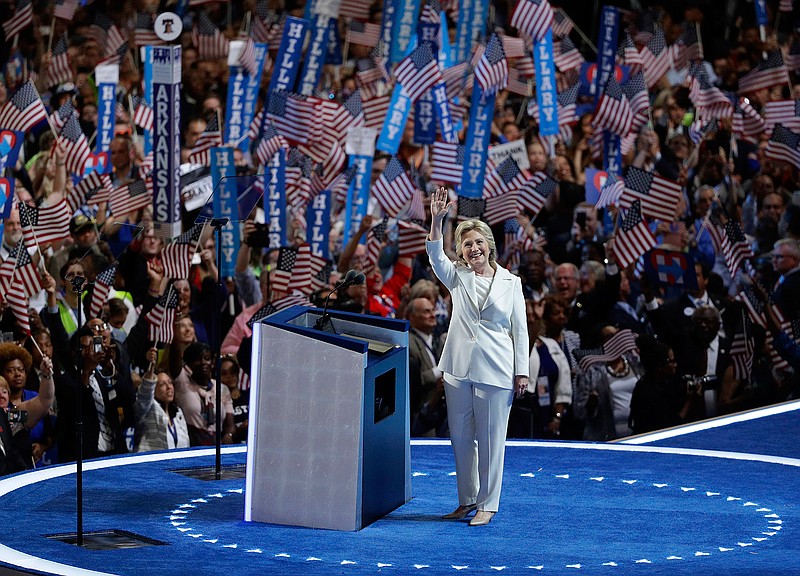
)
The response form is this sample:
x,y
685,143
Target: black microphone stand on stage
x,y
78,283
218,224
350,279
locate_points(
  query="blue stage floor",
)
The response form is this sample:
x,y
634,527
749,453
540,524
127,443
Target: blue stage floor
x,y
719,500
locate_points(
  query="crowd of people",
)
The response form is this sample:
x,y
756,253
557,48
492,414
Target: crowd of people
x,y
613,349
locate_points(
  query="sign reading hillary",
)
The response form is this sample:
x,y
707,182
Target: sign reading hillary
x,y
318,224
315,56
284,73
275,200
395,122
223,172
107,78
546,95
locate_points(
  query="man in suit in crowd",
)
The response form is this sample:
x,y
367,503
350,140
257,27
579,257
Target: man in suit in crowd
x,y
786,262
424,351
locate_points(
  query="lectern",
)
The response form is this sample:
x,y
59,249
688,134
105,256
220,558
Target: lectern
x,y
328,444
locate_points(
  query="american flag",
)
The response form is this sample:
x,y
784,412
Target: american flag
x,y
346,116
709,100
279,304
293,271
645,26
699,129
754,306
656,57
637,95
501,207
741,352
106,34
375,110
131,197
92,189
518,84
116,57
72,141
491,72
633,237
59,70
659,197
567,109
354,8
730,241
269,145
456,79
784,145
470,208
506,176
294,115
687,48
103,284
18,268
393,189
410,239
143,115
786,112
513,47
766,74
206,37
786,5
341,184
18,303
22,18
161,319
44,224
447,162
363,33
566,55
525,65
144,33
629,54
792,59
23,110
747,122
177,255
613,111
533,17
622,342
247,58
418,72
536,191
376,237
368,72
211,136
65,9
611,191
562,24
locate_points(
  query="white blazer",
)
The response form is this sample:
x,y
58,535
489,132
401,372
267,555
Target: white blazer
x,y
487,345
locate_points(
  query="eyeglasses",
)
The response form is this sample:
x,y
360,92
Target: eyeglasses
x,y
100,327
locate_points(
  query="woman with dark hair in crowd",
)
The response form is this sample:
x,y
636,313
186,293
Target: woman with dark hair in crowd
x,y
230,373
160,424
658,401
195,393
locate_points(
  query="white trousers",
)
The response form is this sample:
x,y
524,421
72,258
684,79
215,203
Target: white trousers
x,y
478,413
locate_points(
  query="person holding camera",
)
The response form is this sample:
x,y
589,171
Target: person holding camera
x,y
484,360
99,379
160,423
22,410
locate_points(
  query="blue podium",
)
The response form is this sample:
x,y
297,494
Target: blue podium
x,y
328,443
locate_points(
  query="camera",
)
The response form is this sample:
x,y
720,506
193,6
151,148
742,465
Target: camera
x,y
259,238
17,416
97,344
694,383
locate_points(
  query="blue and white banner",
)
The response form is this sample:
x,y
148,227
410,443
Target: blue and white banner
x,y
275,200
10,144
761,12
147,85
612,153
315,56
318,224
607,54
242,94
425,120
546,94
360,147
479,10
442,109
107,78
166,137
223,178
395,122
387,26
334,54
284,73
445,50
476,149
463,41
405,25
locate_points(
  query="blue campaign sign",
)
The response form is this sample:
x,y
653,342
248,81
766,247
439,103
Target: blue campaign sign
x,y
318,224
670,268
107,78
333,53
588,75
357,195
395,122
607,52
761,12
223,172
612,152
275,200
442,108
594,182
546,94
287,63
390,8
463,40
315,56
476,149
424,120
242,98
405,23
166,137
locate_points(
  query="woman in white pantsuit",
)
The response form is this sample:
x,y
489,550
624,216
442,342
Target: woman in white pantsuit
x,y
485,358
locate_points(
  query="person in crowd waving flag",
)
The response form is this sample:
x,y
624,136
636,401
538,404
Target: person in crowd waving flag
x,y
59,71
784,145
491,72
103,285
23,110
161,319
176,257
659,196
767,73
393,189
19,270
537,191
656,57
633,237
22,18
44,224
206,37
143,115
613,111
418,72
533,17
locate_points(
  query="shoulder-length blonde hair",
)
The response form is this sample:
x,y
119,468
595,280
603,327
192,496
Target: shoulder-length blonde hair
x,y
485,231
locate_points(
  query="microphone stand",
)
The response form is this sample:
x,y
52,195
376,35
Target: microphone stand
x,y
349,278
78,283
218,224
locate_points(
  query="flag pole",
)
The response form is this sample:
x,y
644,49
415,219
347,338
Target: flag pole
x,y
699,39
50,38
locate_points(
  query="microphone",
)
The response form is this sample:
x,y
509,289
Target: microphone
x,y
352,277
